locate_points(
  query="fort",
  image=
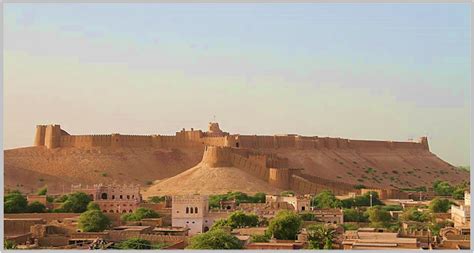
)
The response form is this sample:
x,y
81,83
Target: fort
x,y
52,136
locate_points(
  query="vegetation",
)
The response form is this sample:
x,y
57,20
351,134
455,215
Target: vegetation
x,y
326,199
42,191
443,188
287,193
349,226
260,238
93,206
15,202
307,216
156,199
239,197
139,214
93,220
285,225
9,244
355,215
36,207
378,217
75,203
412,214
237,219
137,243
320,236
389,208
439,205
363,200
214,239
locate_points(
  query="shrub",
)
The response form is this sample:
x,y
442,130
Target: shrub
x,y
214,239
134,243
285,225
15,202
75,203
42,191
438,205
326,199
139,214
36,207
93,221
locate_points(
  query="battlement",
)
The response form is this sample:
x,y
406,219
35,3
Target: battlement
x,y
52,136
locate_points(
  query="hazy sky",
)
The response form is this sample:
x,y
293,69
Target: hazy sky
x,y
360,71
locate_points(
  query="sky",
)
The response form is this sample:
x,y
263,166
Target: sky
x,y
358,71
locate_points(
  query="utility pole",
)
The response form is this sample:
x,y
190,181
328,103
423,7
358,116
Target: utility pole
x,y
370,199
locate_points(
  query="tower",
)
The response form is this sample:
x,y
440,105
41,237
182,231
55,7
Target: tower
x,y
52,137
39,135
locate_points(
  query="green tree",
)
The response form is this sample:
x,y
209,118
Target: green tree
x,y
307,216
326,199
363,200
93,206
221,224
36,207
259,197
412,214
93,221
156,199
439,205
9,244
214,239
239,219
285,225
378,217
139,214
355,215
320,236
76,203
42,191
15,202
134,243
442,188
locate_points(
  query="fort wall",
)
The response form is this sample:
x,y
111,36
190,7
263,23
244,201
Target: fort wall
x,y
52,136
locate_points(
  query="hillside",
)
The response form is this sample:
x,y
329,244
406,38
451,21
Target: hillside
x,y
207,180
33,167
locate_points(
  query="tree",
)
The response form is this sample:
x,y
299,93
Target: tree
x,y
139,214
76,203
93,206
9,244
15,202
355,215
307,216
378,217
214,239
326,199
363,200
135,243
93,221
239,219
42,191
221,224
442,188
36,207
259,197
285,225
320,236
438,205
157,199
412,214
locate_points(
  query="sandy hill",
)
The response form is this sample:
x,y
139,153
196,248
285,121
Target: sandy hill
x,y
204,179
33,167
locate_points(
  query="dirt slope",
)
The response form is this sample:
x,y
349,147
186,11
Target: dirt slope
x,y
33,167
203,179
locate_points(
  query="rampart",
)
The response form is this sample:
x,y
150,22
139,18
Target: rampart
x,y
52,136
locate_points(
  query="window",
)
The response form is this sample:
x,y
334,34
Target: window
x,y
103,196
121,197
187,209
111,211
113,196
195,210
191,210
302,208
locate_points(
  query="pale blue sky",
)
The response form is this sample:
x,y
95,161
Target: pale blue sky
x,y
362,71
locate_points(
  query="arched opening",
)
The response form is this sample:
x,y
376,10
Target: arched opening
x,y
128,196
302,208
130,211
187,209
236,144
228,207
206,229
121,197
113,196
191,211
111,211
104,211
335,222
124,211
91,196
133,196
103,196
195,210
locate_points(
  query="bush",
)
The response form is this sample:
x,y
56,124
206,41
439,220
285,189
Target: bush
x,y
93,221
15,202
363,200
285,225
239,197
239,219
378,217
259,238
214,239
36,207
438,205
93,206
134,243
287,193
355,215
412,214
307,216
156,199
42,191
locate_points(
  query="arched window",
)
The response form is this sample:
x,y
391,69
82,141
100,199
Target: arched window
x,y
111,211
113,196
128,196
103,196
104,211
133,196
191,210
302,208
195,210
187,209
121,197
124,211
91,196
130,211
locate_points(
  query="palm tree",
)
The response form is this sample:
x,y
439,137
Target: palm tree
x,y
320,236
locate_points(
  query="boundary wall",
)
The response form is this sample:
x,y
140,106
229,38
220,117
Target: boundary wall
x,y
52,136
